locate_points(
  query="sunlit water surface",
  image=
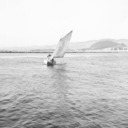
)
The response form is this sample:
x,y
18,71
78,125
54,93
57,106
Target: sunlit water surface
x,y
82,91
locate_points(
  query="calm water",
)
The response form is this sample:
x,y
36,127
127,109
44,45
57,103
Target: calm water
x,y
82,91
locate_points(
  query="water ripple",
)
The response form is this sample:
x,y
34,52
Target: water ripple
x,y
89,91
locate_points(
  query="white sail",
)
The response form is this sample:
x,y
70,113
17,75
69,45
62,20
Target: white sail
x,y
62,46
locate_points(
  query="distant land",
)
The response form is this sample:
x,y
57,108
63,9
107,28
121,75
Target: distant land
x,y
85,46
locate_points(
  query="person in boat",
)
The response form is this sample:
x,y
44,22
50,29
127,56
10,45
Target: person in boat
x,y
50,62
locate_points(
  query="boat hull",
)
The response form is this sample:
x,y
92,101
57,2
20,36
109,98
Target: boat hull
x,y
49,63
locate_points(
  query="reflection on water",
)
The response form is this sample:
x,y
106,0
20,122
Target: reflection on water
x,y
60,85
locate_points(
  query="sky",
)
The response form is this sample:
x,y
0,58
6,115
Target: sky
x,y
44,22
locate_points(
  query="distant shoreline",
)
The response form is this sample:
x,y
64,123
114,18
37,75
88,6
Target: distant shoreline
x,y
71,52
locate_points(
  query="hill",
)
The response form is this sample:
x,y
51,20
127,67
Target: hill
x,y
103,44
73,46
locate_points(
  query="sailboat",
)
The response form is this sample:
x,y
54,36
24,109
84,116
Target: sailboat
x,y
60,50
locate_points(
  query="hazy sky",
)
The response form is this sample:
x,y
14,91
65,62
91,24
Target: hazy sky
x,y
42,22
